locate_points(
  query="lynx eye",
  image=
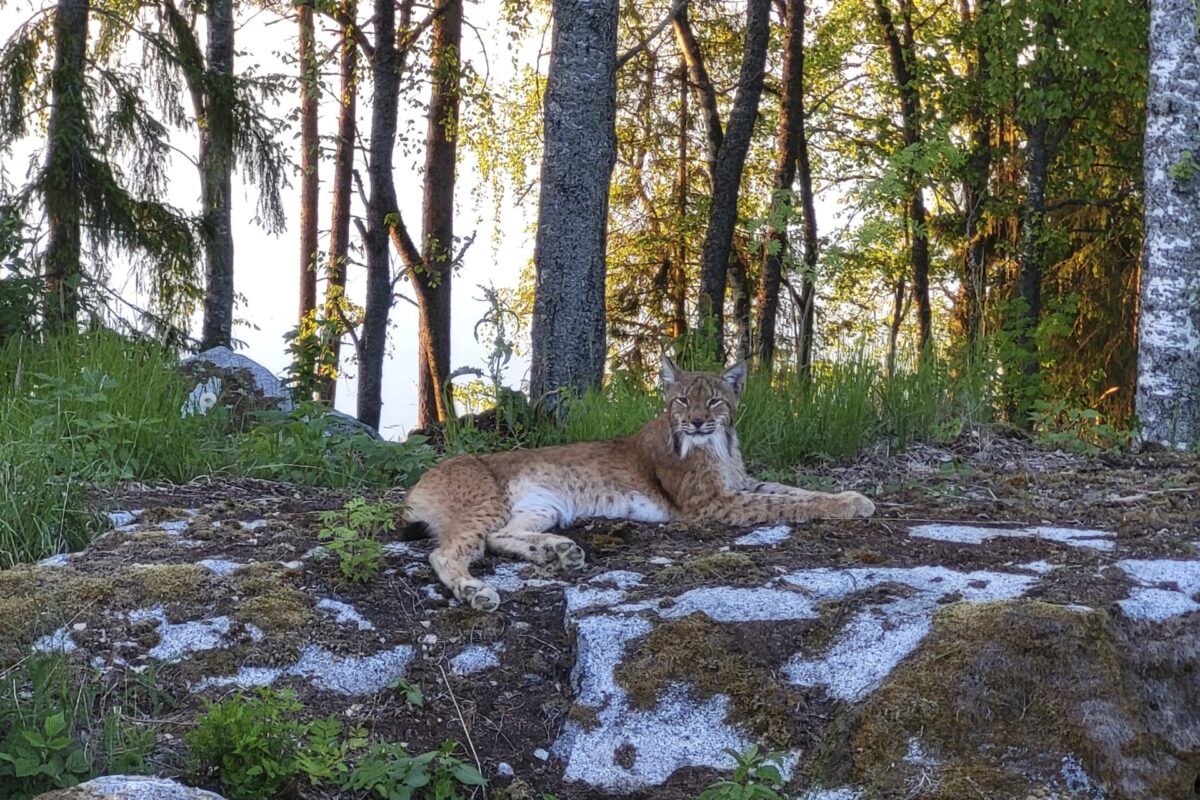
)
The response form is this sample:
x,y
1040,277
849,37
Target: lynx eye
x,y
714,402
681,400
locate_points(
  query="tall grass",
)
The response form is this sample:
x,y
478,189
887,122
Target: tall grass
x,y
836,410
86,410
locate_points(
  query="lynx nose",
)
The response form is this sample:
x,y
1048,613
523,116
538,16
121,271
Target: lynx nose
x,y
697,422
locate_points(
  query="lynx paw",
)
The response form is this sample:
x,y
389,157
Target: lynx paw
x,y
856,505
569,555
479,596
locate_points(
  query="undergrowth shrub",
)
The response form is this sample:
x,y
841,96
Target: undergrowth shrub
x,y
309,446
58,728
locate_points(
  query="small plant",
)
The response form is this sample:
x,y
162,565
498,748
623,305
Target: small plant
x,y
1186,167
327,752
412,693
39,748
249,744
351,533
388,772
1079,430
756,777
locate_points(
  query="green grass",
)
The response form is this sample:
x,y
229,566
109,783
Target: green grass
x,y
83,411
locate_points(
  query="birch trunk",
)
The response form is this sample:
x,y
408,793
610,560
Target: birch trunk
x,y
1168,395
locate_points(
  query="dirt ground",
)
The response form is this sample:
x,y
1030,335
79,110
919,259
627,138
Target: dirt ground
x,y
512,713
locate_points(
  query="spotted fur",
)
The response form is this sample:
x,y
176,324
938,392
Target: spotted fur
x,y
683,465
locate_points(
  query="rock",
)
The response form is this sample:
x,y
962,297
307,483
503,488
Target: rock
x,y
1055,656
245,387
130,787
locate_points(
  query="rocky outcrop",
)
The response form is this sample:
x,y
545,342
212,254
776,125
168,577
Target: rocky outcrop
x,y
1057,651
130,787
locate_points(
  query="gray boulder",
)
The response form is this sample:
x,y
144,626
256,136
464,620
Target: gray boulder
x,y
130,787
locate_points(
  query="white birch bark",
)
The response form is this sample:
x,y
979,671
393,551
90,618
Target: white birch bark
x,y
1168,394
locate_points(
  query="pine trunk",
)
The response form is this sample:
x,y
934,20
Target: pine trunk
x,y
310,185
577,162
432,283
974,277
216,177
66,142
343,174
1168,392
727,179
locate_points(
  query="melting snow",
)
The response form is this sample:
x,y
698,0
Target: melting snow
x,y
764,536
343,675
345,614
1154,602
973,534
475,658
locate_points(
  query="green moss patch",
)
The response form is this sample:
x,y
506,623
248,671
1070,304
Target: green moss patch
x,y
170,583
999,694
715,566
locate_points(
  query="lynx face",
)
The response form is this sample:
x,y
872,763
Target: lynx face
x,y
700,407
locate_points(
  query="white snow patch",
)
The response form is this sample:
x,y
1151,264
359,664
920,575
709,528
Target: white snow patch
x,y
973,534
345,614
402,549
764,536
219,566
58,642
1167,588
343,675
476,658
179,640
122,518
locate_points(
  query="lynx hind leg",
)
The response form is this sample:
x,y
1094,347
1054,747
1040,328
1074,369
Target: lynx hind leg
x,y
524,537
461,503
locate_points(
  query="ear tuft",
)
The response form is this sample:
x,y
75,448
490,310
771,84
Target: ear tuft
x,y
735,376
670,371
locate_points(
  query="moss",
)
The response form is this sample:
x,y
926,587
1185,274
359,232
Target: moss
x,y
487,626
283,611
153,516
720,566
1002,678
584,716
151,537
865,555
703,653
170,583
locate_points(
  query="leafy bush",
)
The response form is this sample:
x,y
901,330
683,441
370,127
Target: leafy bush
x,y
351,533
250,744
305,446
387,771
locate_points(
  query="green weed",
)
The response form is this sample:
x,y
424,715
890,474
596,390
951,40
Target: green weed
x,y
352,534
756,777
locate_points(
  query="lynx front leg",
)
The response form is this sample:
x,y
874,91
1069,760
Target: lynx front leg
x,y
523,537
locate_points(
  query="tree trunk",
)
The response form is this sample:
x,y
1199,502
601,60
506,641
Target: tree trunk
x,y
1168,391
432,283
902,54
679,281
310,185
343,172
975,183
381,204
739,291
216,177
579,153
705,92
67,135
727,178
791,130
1040,143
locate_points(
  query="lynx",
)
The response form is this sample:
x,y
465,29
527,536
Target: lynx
x,y
684,465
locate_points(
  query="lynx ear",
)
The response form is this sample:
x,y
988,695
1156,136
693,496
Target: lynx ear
x,y
735,376
670,371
